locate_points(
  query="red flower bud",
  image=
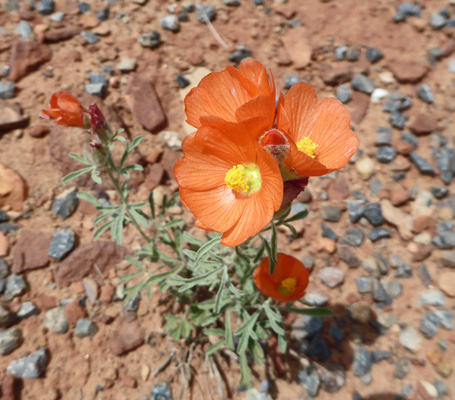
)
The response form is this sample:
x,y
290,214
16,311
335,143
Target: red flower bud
x,y
97,119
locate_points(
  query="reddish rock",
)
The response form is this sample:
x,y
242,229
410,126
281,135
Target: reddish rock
x,y
144,103
31,251
338,189
60,34
298,46
421,223
4,245
446,283
11,116
336,74
45,302
404,147
11,388
283,58
13,189
407,71
74,312
359,106
129,381
107,293
422,124
400,164
81,262
26,56
399,197
126,337
154,177
39,131
422,253
448,47
153,155
168,160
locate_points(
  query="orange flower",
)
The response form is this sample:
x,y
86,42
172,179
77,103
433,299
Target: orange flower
x,y
65,109
229,182
234,95
288,282
321,137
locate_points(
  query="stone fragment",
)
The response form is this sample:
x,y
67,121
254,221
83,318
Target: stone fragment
x,y
32,366
11,117
13,189
446,282
127,65
359,106
10,339
363,361
65,204
397,218
81,262
144,103
31,251
365,168
55,320
309,379
353,237
85,327
431,297
422,124
240,53
62,243
161,391
331,276
55,35
15,286
407,71
151,40
410,339
38,131
170,23
25,56
126,337
205,13
27,310
7,318
298,45
362,83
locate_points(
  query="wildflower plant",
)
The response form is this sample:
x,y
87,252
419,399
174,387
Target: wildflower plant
x,y
241,169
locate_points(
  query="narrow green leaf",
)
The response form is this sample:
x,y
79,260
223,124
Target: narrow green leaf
x,y
89,198
136,141
117,227
282,344
247,333
214,332
171,224
78,158
291,228
299,215
228,330
129,277
99,232
215,347
206,247
209,319
272,262
137,206
197,280
219,295
132,167
314,312
258,353
75,174
192,240
124,155
259,253
135,262
138,217
245,371
96,177
190,254
236,292
102,217
274,319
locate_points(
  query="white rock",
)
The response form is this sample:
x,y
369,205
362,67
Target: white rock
x,y
378,94
365,168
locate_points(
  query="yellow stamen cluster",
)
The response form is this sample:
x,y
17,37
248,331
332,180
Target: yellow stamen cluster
x,y
243,179
287,286
307,146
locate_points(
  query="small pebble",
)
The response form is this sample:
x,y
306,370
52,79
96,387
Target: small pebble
x,y
32,366
89,37
290,80
205,12
373,54
62,243
151,40
362,83
425,93
170,23
343,93
85,327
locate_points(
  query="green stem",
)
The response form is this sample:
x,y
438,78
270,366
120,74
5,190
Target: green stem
x,y
123,201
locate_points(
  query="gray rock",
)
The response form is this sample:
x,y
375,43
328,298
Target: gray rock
x,y
102,14
133,304
372,212
346,255
15,286
363,361
370,265
309,379
394,289
27,310
402,368
410,339
55,320
151,40
231,3
431,298
379,233
23,29
383,136
3,218
170,23
316,299
340,52
344,93
107,69
380,355
410,9
362,83
127,65
378,292
398,120
355,210
182,81
306,326
425,93
96,89
10,339
328,232
364,284
205,13
376,186
64,205
429,325
331,276
85,327
353,237
331,213
385,154
373,54
445,240
57,17
7,318
333,378
46,7
352,55
410,137
424,275
240,53
266,385
89,37
32,366
290,80
62,243
422,165
441,388
96,77
439,191
397,102
7,90
161,391
404,271
437,20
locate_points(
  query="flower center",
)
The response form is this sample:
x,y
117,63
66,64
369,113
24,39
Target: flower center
x,y
287,286
243,179
307,146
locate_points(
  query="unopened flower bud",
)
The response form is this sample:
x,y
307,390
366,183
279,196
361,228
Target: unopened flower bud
x,y
97,119
276,143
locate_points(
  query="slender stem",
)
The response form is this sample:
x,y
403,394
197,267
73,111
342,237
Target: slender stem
x,y
123,201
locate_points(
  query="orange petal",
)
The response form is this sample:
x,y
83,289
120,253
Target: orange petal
x,y
255,72
217,209
261,106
